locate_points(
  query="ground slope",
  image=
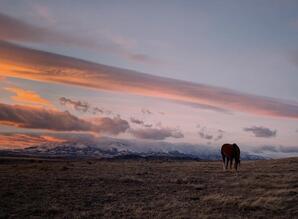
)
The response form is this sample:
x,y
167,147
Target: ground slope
x,y
143,189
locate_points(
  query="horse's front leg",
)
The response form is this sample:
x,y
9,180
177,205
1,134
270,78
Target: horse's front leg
x,y
236,165
223,162
227,162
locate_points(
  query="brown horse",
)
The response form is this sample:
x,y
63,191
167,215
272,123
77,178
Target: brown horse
x,y
228,153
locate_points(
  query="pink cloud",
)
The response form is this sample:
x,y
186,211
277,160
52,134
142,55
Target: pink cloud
x,y
42,66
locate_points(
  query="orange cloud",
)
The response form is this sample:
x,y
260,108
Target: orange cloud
x,y
32,64
27,97
17,140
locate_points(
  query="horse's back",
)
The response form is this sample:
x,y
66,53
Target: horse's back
x,y
227,150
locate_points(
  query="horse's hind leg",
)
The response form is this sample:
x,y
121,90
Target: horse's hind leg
x,y
231,163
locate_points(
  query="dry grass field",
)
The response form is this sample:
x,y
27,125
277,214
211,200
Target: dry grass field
x,y
32,188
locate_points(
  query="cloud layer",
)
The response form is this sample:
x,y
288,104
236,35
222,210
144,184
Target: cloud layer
x,y
44,119
261,132
31,64
82,106
28,97
140,122
276,149
156,133
38,118
207,136
16,30
77,105
23,140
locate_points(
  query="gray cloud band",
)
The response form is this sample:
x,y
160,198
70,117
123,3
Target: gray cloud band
x,y
38,118
16,30
261,132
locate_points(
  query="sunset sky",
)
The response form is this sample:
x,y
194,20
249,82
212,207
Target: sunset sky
x,y
200,72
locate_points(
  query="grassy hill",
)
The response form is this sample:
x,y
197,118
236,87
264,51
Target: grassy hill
x,y
147,189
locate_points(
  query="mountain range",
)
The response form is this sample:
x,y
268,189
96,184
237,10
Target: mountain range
x,y
111,148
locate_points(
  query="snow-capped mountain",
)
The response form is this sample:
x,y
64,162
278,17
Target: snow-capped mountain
x,y
121,148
